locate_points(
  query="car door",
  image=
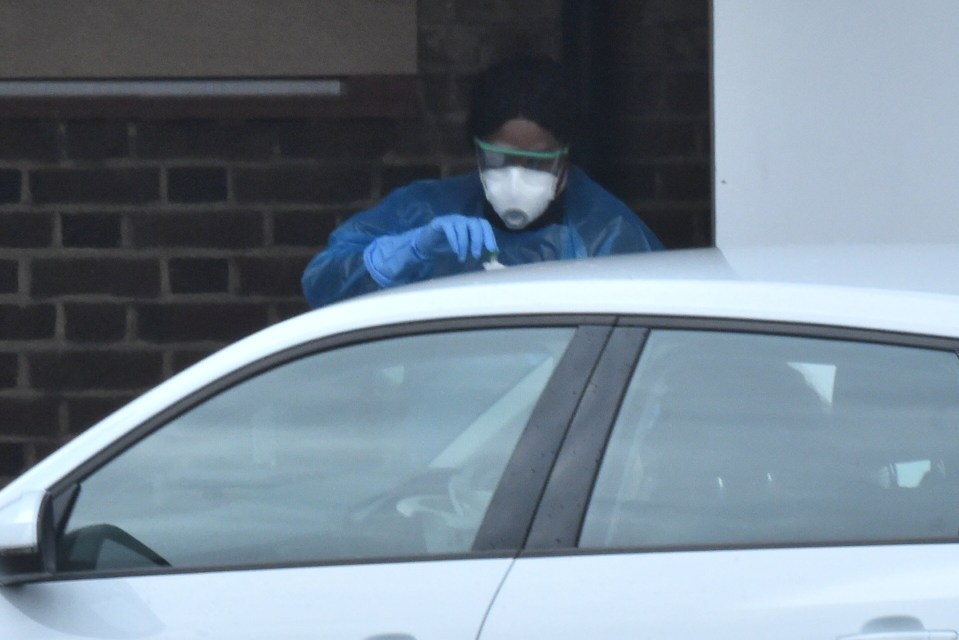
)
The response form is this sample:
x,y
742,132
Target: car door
x,y
758,482
373,486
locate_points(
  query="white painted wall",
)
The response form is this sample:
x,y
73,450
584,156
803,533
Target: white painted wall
x,y
836,120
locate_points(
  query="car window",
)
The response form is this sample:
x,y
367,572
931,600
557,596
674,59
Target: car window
x,y
739,439
390,448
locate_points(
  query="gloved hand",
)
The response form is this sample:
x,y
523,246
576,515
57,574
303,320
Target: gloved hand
x,y
404,257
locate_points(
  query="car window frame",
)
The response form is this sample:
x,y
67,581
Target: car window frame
x,y
558,522
511,511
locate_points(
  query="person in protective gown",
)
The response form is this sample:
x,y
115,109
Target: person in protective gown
x,y
526,203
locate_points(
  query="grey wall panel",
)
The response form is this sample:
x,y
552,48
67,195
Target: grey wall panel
x,y
207,38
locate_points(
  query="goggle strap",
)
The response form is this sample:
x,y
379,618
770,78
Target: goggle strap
x,y
545,155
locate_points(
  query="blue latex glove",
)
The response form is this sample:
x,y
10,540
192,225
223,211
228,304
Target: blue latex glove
x,y
405,257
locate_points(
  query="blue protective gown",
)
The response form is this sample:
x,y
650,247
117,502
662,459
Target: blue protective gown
x,y
595,223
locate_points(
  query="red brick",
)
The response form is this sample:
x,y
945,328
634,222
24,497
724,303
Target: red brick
x,y
228,139
12,459
685,181
316,184
33,322
97,139
29,140
9,276
665,46
196,184
10,186
679,226
95,370
99,186
655,138
415,139
455,140
26,230
644,91
630,181
688,93
92,230
304,228
114,276
193,322
199,275
9,370
271,276
438,92
336,139
95,322
37,416
212,229
401,175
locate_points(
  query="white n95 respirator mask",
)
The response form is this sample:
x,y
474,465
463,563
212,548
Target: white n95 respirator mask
x,y
518,195
519,184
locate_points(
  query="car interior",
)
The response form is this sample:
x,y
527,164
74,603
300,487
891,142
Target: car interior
x,y
732,446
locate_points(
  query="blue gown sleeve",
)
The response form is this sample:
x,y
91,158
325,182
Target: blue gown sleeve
x,y
338,272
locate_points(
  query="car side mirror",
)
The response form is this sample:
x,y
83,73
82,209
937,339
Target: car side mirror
x,y
26,540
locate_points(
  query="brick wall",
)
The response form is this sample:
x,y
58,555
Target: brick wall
x,y
131,247
656,137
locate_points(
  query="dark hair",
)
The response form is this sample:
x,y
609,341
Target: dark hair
x,y
536,89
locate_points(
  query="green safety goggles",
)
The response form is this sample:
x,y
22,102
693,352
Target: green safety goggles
x,y
491,156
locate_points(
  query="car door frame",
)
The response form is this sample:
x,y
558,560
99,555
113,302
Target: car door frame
x,y
510,514
562,510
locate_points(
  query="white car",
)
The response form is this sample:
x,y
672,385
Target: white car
x,y
692,444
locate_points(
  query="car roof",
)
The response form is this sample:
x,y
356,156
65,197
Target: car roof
x,y
903,267
905,288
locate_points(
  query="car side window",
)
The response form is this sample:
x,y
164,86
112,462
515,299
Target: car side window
x,y
729,439
390,448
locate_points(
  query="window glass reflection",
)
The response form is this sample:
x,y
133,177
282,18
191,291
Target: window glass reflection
x,y
739,439
383,449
